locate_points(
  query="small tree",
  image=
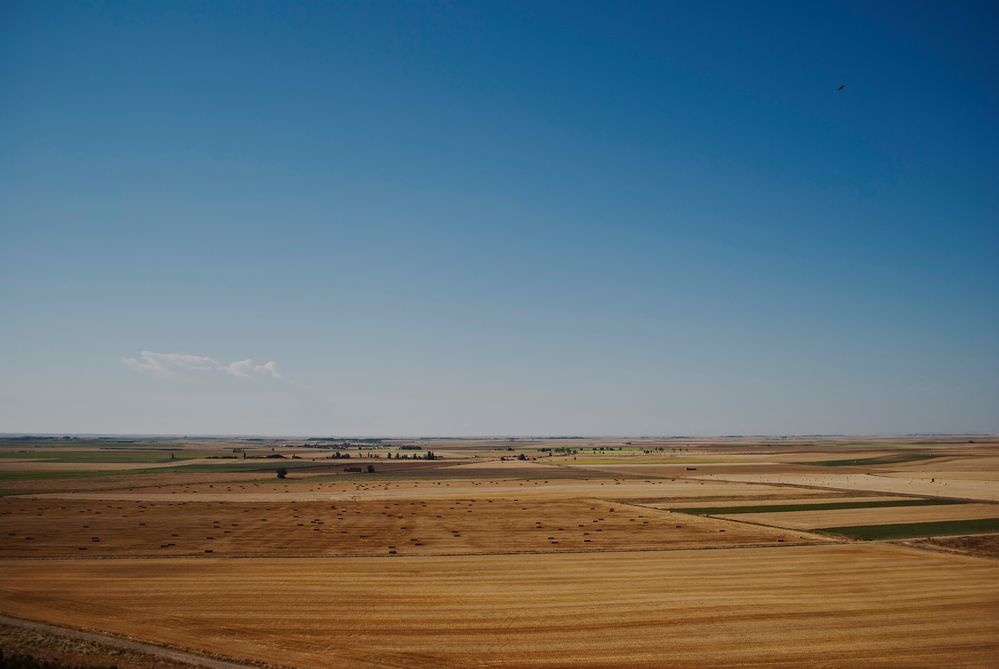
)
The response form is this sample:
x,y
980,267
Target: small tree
x,y
282,473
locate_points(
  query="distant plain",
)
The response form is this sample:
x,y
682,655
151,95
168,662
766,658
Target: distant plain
x,y
511,552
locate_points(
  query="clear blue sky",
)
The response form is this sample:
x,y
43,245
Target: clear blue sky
x,y
499,218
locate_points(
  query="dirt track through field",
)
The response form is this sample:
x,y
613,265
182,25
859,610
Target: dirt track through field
x,y
124,644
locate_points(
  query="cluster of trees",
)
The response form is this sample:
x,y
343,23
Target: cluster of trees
x,y
659,449
429,455
520,456
339,456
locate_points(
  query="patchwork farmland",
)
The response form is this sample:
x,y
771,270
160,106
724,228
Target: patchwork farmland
x,y
502,552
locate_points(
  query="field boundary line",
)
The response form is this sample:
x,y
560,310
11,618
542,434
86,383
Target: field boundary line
x,y
824,540
816,536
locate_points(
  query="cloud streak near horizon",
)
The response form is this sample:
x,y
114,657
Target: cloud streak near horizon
x,y
168,364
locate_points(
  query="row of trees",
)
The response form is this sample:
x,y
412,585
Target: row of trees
x,y
429,455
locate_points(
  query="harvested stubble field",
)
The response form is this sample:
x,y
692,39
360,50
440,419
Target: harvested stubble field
x,y
453,486
859,605
478,561
75,528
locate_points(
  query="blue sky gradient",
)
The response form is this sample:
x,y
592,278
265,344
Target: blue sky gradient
x,y
500,218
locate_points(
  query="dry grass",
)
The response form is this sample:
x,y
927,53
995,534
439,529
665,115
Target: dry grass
x,y
75,652
986,545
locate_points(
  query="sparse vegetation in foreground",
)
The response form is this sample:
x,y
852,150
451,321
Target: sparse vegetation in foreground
x,y
26,661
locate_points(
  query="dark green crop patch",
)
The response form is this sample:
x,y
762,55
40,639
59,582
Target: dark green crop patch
x,y
914,530
892,459
825,506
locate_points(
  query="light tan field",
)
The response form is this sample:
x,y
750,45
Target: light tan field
x,y
947,475
982,464
306,490
984,490
803,499
856,605
471,560
805,520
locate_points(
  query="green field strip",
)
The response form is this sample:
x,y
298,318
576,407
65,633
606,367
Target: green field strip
x,y
109,456
879,460
824,506
84,444
62,474
250,465
914,530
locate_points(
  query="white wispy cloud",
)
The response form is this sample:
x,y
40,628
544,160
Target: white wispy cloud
x,y
168,364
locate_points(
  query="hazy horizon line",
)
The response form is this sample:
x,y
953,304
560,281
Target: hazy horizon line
x,y
312,436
